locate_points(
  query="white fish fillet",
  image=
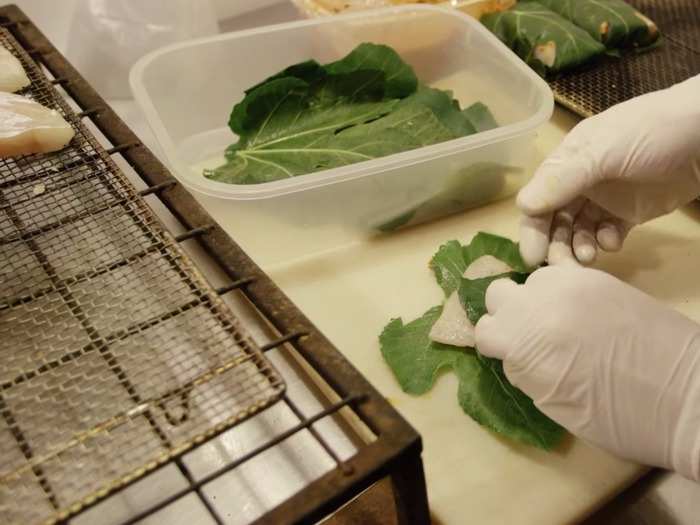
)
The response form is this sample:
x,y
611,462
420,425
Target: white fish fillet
x,y
486,266
12,75
28,127
453,327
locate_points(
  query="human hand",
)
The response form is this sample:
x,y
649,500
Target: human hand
x,y
607,362
634,162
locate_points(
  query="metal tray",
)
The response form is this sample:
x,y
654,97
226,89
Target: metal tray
x,y
117,356
613,80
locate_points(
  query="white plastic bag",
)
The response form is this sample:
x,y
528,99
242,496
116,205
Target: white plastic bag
x,y
108,36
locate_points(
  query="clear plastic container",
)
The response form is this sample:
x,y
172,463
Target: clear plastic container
x,y
187,91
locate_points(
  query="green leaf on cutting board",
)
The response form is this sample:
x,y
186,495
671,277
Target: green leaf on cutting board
x,y
452,259
416,360
448,265
496,246
485,394
613,22
472,293
488,397
543,39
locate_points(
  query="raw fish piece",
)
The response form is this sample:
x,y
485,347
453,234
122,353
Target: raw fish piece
x,y
486,266
12,75
453,327
28,127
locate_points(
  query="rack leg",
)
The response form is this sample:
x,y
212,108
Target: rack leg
x,y
410,494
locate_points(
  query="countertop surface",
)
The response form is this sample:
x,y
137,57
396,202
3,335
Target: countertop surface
x,y
351,292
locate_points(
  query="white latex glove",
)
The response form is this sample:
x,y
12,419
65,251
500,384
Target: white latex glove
x,y
634,162
609,363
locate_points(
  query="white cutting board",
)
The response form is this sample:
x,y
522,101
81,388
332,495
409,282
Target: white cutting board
x,y
474,476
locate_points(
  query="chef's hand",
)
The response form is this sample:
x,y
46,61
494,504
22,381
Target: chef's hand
x,y
636,161
609,363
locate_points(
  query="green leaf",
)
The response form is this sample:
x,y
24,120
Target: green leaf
x,y
497,246
310,118
543,39
612,22
484,392
488,397
474,186
452,259
443,106
412,356
480,117
309,71
397,222
400,81
472,293
448,265
275,96
296,140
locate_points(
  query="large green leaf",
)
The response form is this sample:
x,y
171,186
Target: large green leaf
x,y
494,401
542,38
612,22
484,392
310,117
295,141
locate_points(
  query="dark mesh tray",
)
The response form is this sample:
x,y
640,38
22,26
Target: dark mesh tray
x,y
614,80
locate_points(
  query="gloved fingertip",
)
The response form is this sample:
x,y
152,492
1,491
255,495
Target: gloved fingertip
x,y
486,336
499,293
534,239
609,237
585,247
530,201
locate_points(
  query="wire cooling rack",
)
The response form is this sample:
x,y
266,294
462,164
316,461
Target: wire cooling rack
x,y
117,358
118,354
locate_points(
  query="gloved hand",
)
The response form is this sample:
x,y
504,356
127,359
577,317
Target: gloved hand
x,y
636,161
609,363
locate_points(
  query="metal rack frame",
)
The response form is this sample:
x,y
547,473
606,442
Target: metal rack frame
x,y
396,451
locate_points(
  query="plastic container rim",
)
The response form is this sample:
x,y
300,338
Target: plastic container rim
x,y
353,171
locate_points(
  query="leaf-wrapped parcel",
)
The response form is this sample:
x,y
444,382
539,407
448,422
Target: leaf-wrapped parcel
x,y
546,41
612,22
484,393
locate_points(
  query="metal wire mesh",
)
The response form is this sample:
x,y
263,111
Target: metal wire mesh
x,y
614,80
115,354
